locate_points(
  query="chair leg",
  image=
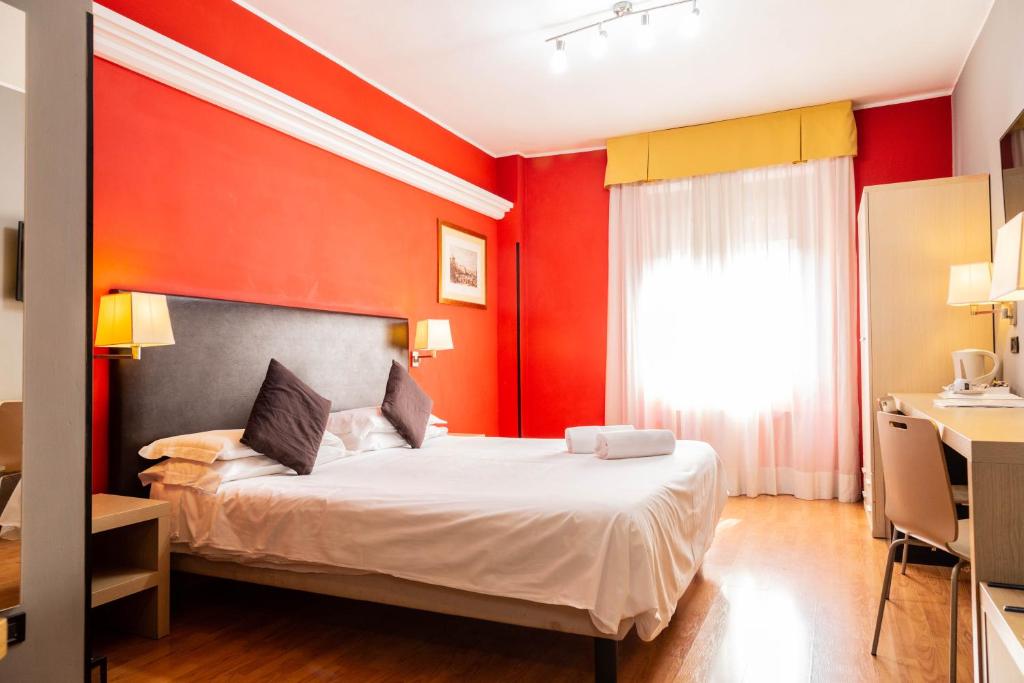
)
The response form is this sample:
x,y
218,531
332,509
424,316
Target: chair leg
x,y
954,591
885,591
906,548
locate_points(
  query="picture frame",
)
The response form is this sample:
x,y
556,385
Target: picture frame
x,y
461,266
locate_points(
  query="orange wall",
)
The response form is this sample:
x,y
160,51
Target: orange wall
x,y
192,199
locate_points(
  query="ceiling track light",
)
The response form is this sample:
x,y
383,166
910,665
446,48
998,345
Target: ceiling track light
x,y
559,60
621,10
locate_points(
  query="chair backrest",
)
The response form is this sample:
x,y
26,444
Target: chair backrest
x,y
10,435
918,497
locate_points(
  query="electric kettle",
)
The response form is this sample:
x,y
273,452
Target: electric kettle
x,y
969,365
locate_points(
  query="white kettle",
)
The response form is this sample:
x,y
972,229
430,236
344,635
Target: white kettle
x,y
969,365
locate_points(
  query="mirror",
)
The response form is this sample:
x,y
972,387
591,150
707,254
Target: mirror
x,y
12,308
1011,155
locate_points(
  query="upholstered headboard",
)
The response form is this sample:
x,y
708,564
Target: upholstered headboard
x,y
210,377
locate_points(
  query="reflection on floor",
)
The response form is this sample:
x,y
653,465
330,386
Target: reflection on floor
x,y
788,593
10,573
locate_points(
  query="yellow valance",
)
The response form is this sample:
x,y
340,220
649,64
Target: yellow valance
x,y
820,132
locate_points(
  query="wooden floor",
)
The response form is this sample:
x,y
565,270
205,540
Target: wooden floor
x,y
788,593
10,573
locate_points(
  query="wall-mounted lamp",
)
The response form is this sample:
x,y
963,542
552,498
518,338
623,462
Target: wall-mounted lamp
x,y
969,285
431,336
1007,278
132,320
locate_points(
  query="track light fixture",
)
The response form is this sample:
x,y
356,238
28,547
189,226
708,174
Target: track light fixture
x,y
620,10
559,60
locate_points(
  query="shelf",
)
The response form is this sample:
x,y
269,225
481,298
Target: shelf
x,y
117,582
113,512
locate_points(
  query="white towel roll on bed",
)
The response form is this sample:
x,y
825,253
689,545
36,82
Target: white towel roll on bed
x,y
638,443
584,439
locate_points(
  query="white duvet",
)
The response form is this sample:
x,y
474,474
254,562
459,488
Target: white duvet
x,y
520,518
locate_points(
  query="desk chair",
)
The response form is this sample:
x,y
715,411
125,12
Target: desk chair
x,y
960,495
919,502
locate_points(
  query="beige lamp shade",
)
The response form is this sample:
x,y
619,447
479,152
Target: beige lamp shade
x,y
433,335
1007,279
970,284
133,320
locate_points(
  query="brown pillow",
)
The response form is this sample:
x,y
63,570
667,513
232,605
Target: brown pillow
x,y
406,406
287,421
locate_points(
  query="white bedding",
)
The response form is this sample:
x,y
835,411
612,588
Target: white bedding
x,y
520,518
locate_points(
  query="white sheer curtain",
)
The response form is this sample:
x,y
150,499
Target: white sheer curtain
x,y
731,319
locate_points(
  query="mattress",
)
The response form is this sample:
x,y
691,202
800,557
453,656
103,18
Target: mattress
x,y
519,518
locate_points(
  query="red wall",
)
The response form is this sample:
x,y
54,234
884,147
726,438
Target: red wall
x,y
901,142
560,220
565,245
192,199
234,36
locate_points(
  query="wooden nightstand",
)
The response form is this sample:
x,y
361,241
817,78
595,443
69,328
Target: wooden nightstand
x,y
131,561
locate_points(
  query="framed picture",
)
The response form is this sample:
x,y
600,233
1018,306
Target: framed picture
x,y
461,265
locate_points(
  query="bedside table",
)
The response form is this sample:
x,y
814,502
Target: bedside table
x,y
131,561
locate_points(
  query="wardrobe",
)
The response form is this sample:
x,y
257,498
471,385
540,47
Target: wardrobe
x,y
909,234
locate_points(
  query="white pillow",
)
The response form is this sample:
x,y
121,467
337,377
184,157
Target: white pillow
x,y
375,441
208,447
359,422
208,477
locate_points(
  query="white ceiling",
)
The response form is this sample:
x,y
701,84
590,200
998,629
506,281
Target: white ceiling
x,y
481,67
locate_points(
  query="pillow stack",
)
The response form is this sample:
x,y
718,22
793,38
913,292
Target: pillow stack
x,y
366,429
205,460
291,431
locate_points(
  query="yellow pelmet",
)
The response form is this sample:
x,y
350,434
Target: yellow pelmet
x,y
627,159
819,132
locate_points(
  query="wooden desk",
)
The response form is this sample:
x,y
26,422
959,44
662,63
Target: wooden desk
x,y
992,441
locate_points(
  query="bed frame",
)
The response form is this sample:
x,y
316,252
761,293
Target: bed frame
x,y
209,380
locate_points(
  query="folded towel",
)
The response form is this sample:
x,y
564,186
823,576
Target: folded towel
x,y
639,443
583,439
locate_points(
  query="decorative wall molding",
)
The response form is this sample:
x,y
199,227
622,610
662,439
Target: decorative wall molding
x,y
133,46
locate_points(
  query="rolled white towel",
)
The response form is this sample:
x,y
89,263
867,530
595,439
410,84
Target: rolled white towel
x,y
638,443
583,439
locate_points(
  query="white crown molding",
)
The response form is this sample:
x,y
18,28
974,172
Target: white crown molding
x,y
133,46
932,94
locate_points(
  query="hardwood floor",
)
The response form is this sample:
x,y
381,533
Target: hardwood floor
x,y
788,593
10,573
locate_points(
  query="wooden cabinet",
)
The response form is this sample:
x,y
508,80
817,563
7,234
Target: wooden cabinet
x,y
131,561
909,235
1002,637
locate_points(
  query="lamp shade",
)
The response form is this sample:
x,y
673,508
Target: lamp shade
x,y
1007,279
433,335
133,320
970,284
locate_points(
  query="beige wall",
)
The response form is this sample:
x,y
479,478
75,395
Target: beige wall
x,y
12,210
12,48
57,348
987,99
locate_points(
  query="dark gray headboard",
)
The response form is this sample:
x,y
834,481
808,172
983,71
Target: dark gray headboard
x,y
210,377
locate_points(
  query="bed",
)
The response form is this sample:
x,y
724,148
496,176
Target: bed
x,y
511,530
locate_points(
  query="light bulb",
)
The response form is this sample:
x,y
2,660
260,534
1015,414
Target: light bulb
x,y
645,40
559,60
690,24
599,43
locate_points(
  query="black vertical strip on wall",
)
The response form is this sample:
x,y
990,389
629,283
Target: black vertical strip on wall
x,y
519,350
87,659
